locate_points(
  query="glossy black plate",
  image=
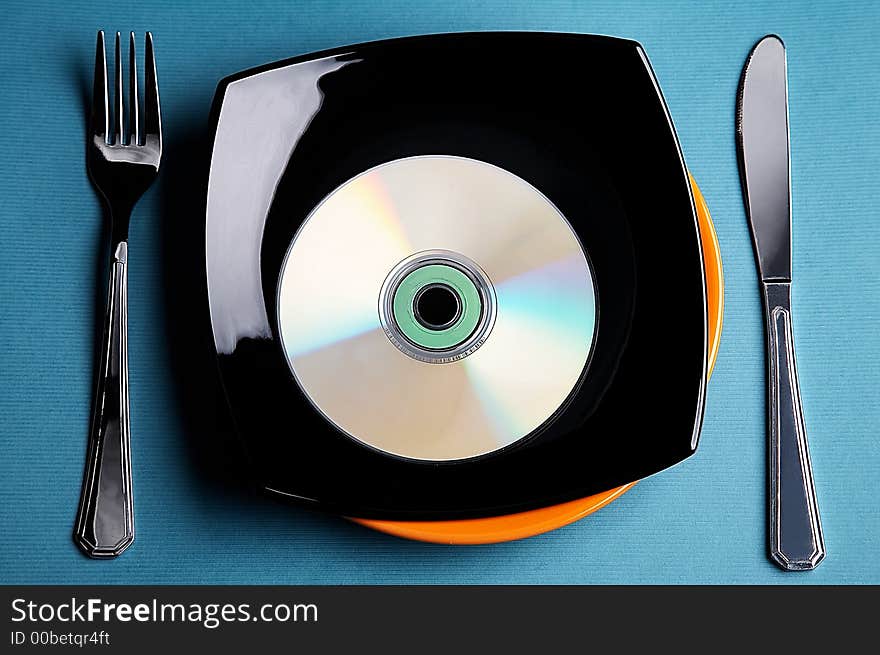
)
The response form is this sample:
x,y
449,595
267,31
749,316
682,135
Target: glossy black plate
x,y
579,117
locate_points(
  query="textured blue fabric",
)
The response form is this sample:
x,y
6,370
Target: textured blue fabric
x,y
703,521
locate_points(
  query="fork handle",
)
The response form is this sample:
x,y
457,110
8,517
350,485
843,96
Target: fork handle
x,y
105,519
796,541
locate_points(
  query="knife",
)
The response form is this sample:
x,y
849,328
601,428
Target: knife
x,y
796,541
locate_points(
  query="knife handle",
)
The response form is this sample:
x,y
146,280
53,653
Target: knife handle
x,y
105,520
796,541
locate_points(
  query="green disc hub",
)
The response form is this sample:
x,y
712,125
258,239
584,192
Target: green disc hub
x,y
437,306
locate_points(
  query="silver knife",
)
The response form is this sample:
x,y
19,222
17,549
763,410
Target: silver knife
x,y
796,541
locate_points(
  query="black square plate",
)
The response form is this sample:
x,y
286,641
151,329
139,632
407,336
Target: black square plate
x,y
579,117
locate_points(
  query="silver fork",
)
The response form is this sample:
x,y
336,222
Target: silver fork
x,y
122,168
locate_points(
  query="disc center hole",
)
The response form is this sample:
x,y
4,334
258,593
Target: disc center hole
x,y
437,306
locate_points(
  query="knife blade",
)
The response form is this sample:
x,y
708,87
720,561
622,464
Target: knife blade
x,y
796,539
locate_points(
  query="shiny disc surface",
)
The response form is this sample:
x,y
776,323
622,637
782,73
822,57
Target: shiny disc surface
x,y
479,241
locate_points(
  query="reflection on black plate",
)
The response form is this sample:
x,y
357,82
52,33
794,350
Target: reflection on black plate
x,y
579,118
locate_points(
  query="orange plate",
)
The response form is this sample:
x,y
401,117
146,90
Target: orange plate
x,y
494,529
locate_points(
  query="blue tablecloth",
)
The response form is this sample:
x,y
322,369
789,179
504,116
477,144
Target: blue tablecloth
x,y
702,521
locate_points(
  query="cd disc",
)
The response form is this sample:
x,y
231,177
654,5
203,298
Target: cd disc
x,y
436,308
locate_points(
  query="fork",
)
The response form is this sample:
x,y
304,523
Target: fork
x,y
121,167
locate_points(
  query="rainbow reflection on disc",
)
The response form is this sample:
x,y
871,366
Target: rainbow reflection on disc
x,y
436,308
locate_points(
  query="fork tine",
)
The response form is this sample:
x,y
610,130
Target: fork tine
x,y
133,103
100,123
117,104
152,117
